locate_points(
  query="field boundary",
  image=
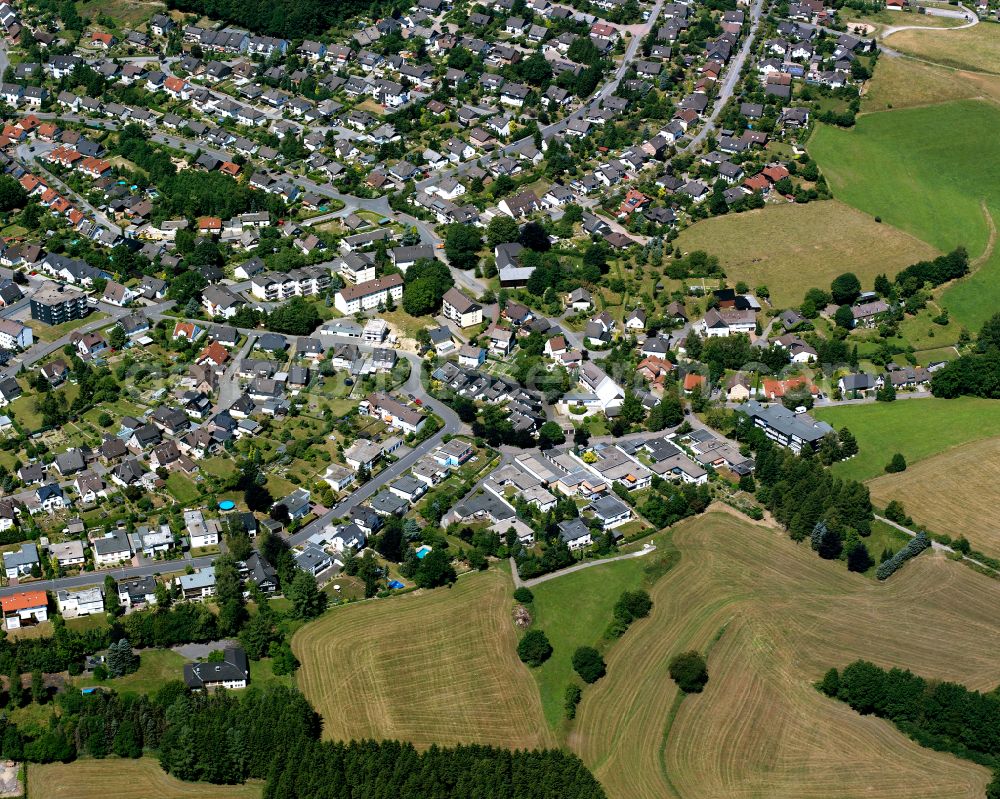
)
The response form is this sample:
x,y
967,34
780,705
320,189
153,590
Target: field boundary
x,y
990,241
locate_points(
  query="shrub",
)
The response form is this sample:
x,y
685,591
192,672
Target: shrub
x,y
534,649
913,548
831,683
895,512
897,464
524,595
631,605
573,697
588,663
689,671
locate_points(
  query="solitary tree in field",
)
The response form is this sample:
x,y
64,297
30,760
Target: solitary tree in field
x,y
897,464
534,649
588,663
689,671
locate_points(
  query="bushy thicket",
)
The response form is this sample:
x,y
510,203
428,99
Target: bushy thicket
x,y
976,373
947,267
913,547
631,605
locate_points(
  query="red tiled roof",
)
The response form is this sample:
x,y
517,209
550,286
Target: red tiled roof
x,y
24,601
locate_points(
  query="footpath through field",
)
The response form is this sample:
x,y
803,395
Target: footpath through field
x,y
935,544
519,583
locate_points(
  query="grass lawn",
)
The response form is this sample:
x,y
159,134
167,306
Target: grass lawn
x,y
429,667
791,248
44,332
884,536
218,466
23,408
573,611
773,618
262,674
918,428
920,331
924,170
156,667
976,48
182,488
95,621
113,778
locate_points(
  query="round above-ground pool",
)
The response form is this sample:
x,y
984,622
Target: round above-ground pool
x,y
227,504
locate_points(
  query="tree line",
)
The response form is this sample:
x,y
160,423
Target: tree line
x,y
290,19
940,715
803,495
273,735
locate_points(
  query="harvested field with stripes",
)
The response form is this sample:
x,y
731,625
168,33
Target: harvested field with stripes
x,y
123,779
431,667
954,493
773,617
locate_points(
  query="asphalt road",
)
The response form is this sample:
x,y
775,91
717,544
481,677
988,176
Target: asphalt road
x,y
732,76
97,577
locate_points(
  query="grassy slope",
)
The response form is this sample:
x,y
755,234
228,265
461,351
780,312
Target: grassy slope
x,y
437,667
929,171
976,48
917,428
924,170
791,248
114,778
760,729
902,83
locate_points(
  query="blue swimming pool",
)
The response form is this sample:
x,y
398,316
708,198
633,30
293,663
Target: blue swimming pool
x,y
394,584
422,552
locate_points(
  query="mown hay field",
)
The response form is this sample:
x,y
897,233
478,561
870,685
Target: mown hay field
x,y
955,493
435,667
773,618
791,248
123,779
903,83
976,48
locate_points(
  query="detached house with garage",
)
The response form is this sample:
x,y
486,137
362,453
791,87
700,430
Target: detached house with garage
x,y
232,672
24,609
391,411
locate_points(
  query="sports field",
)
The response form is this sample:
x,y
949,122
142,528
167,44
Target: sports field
x,y
976,48
775,617
955,493
919,428
439,667
123,779
924,170
791,248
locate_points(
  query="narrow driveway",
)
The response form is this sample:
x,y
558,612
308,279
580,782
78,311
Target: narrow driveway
x,y
519,583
